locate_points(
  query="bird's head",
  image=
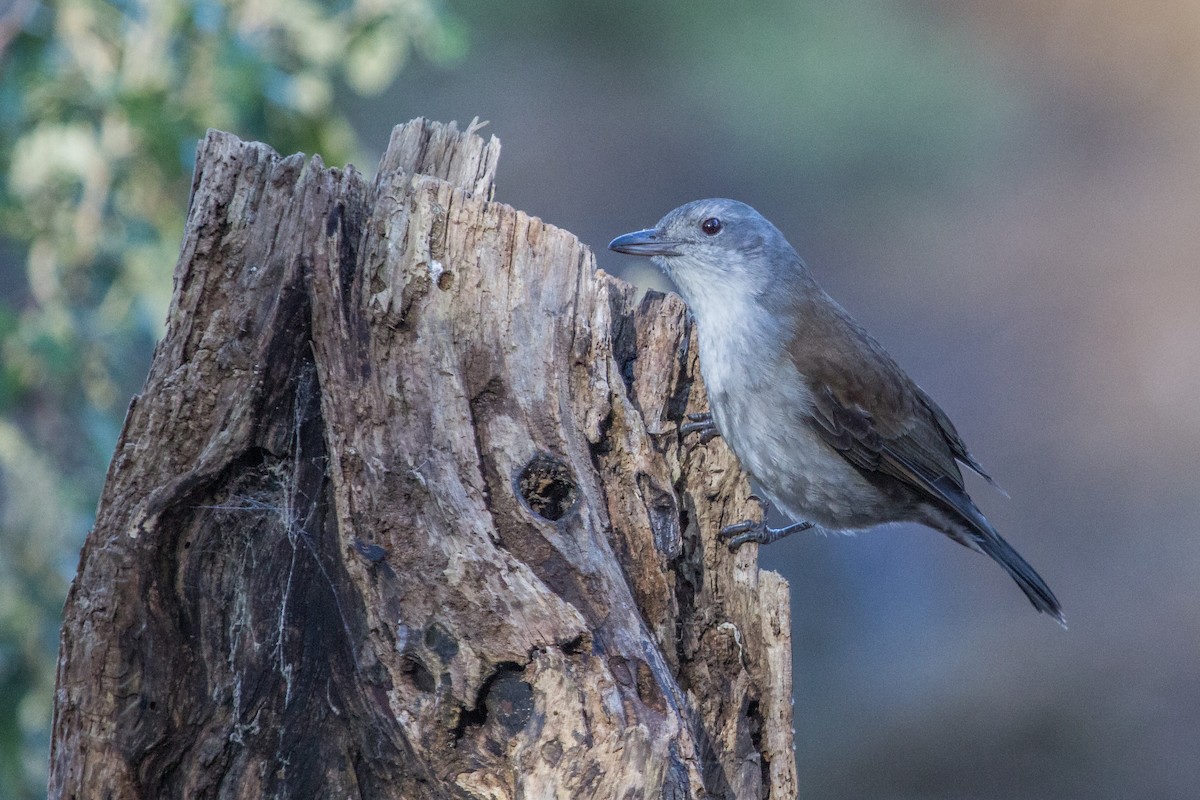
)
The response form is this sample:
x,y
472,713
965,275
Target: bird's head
x,y
717,251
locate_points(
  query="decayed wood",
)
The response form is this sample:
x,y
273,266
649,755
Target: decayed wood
x,y
403,512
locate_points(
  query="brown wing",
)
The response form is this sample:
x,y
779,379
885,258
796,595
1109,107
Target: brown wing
x,y
953,440
870,411
914,453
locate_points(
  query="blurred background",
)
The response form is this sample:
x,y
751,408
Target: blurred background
x,y
1006,194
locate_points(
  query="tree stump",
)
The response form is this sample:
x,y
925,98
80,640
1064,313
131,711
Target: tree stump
x,y
403,512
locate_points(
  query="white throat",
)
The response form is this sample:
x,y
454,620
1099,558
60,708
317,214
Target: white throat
x,y
734,330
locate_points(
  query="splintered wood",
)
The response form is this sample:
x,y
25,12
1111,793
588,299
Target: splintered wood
x,y
403,512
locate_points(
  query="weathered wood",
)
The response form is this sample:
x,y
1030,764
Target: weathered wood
x,y
402,512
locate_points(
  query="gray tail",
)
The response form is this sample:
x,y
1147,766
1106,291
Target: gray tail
x,y
967,525
983,537
993,544
972,529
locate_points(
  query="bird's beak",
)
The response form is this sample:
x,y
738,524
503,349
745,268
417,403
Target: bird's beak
x,y
649,242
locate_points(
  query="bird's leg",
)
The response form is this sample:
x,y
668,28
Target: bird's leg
x,y
748,530
700,423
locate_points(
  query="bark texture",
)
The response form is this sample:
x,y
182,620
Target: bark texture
x,y
402,512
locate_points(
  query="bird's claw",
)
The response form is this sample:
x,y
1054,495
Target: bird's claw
x,y
701,423
739,533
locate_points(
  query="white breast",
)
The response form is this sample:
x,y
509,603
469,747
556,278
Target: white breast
x,y
761,405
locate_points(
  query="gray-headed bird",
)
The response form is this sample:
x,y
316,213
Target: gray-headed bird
x,y
832,430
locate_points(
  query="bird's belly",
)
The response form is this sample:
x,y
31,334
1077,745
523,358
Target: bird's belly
x,y
801,475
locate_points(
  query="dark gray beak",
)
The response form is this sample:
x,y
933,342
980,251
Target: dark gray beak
x,y
649,242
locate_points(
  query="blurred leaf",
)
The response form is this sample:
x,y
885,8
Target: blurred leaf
x,y
101,106
864,89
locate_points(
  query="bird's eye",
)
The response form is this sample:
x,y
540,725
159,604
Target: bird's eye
x,y
711,226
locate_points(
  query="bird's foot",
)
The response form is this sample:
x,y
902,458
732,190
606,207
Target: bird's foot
x,y
702,424
739,533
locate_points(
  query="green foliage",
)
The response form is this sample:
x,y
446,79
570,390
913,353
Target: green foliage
x,y
101,104
862,88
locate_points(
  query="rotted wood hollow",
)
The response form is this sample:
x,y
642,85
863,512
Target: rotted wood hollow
x,y
403,512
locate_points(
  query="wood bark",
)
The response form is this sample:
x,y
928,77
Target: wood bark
x,y
402,511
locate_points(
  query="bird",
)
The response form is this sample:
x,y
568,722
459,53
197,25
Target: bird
x,y
831,429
